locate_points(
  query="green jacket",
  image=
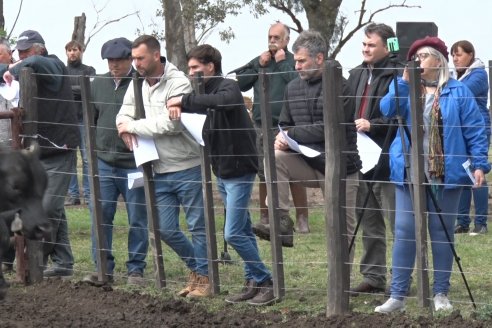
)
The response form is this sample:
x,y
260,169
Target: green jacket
x,y
281,74
107,100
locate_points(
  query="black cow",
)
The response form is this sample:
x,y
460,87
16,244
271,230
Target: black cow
x,y
23,181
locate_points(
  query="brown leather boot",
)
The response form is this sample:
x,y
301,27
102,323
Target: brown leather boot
x,y
302,224
190,286
202,287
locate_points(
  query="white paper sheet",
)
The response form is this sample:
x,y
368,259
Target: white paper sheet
x,y
194,124
135,180
369,152
466,166
145,151
10,92
309,152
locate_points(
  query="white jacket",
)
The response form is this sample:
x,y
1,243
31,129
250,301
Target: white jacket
x,y
176,147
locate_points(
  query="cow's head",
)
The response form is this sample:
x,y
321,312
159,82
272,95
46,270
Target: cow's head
x,y
23,182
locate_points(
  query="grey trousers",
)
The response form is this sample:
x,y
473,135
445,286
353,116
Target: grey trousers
x,y
291,167
57,168
380,203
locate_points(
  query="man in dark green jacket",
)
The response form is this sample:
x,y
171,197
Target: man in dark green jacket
x,y
115,162
279,63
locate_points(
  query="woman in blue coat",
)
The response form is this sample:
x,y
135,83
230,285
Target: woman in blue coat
x,y
453,133
471,71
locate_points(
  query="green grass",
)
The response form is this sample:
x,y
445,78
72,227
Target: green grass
x,y
305,268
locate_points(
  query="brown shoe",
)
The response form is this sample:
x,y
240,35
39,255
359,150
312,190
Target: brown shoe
x,y
202,287
192,279
136,279
265,294
248,292
302,224
365,288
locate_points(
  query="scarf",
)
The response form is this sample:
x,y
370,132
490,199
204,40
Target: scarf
x,y
436,153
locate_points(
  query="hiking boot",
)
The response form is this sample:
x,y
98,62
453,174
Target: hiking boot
x,y
479,229
72,201
441,302
56,271
202,287
302,224
190,286
93,279
248,292
461,229
286,231
391,305
365,288
264,295
136,279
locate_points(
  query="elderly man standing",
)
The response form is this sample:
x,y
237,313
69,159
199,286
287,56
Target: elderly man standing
x,y
115,162
57,135
279,62
177,172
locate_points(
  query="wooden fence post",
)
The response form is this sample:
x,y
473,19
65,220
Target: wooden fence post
x,y
93,172
149,187
271,184
418,176
208,202
335,186
28,94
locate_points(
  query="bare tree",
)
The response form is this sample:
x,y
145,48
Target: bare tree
x,y
80,24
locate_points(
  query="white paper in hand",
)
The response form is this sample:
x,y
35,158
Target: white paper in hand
x,y
309,152
135,180
194,124
10,92
466,166
369,152
145,151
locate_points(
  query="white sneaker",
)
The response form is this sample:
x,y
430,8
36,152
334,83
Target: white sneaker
x,y
441,302
391,305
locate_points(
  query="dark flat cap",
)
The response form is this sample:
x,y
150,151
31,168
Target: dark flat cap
x,y
27,38
428,41
118,48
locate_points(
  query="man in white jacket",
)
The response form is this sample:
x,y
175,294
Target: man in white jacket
x,y
177,172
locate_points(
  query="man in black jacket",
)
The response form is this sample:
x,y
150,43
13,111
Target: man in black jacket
x,y
230,135
57,135
369,82
302,120
75,68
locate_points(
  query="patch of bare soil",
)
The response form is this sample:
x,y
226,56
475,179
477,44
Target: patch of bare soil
x,y
56,303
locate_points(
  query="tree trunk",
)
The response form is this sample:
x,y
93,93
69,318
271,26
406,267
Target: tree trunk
x,y
174,34
2,18
322,16
79,29
189,24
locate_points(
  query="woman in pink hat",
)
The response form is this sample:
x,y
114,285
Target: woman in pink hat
x,y
453,132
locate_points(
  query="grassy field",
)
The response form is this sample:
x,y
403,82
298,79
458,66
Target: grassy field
x,y
305,268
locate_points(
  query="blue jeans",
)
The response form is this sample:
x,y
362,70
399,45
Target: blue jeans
x,y
404,248
58,249
73,188
481,201
113,182
183,188
236,194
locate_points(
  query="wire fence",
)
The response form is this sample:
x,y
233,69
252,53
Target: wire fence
x,y
317,266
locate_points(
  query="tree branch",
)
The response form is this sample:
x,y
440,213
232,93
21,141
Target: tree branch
x,y
97,29
361,23
280,5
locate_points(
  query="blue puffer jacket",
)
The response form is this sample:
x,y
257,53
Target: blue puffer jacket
x,y
475,78
464,132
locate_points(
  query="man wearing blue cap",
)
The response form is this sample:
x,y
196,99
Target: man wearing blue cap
x,y
57,136
115,162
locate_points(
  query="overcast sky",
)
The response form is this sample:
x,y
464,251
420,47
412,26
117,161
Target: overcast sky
x,y
54,20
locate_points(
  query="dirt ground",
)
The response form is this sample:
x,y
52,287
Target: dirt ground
x,y
57,303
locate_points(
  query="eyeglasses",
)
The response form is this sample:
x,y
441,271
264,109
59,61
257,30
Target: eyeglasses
x,y
421,56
